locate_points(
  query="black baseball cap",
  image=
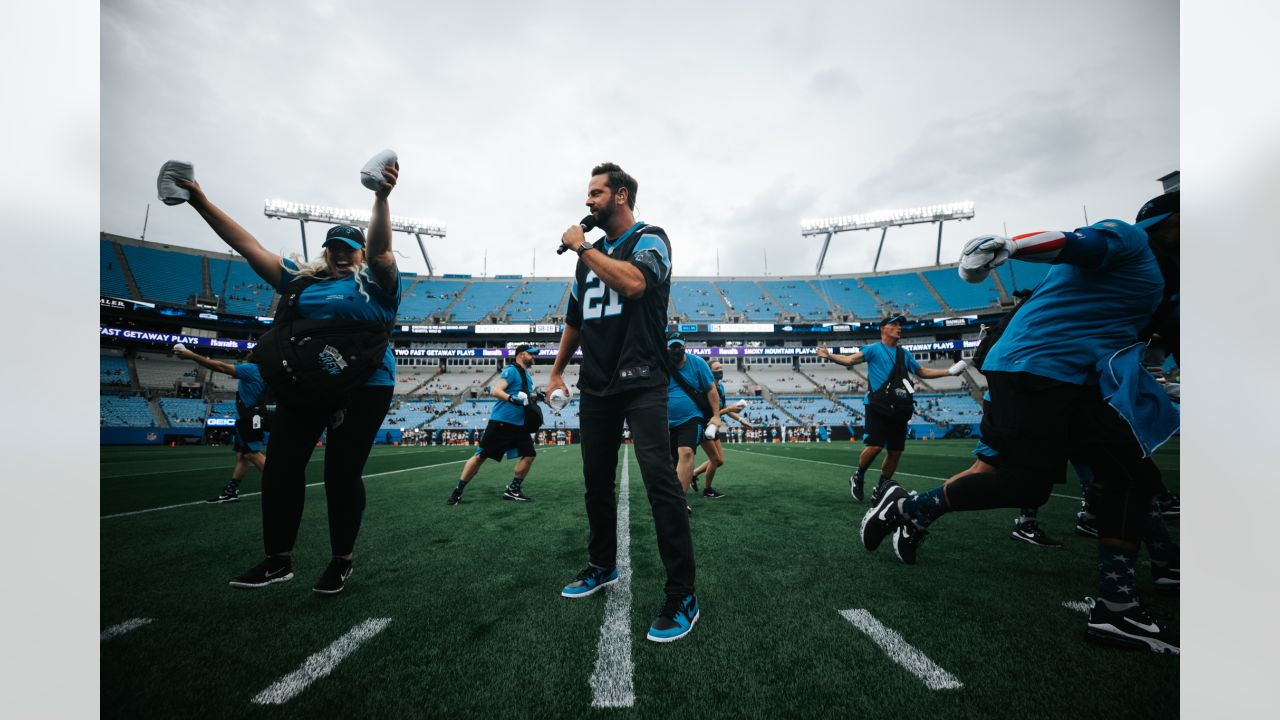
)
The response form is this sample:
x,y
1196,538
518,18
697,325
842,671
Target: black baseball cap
x,y
525,348
1157,209
893,319
675,338
347,234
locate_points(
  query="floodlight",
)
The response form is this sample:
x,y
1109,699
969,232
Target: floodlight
x,y
304,213
885,219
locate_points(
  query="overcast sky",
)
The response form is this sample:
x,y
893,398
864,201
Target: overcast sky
x,y
738,119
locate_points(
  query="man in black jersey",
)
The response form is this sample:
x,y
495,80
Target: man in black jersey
x,y
618,315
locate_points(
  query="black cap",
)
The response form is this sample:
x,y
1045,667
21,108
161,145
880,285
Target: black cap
x,y
525,348
675,338
1156,209
347,234
893,319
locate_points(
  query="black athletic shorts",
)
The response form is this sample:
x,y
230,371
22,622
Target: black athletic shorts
x,y
884,431
500,437
687,434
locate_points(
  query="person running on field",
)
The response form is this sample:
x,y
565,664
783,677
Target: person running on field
x,y
505,434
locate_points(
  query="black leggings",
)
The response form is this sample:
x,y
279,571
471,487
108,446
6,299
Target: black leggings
x,y
293,438
1036,424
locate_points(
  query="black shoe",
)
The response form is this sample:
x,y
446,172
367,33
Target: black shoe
x,y
1030,532
276,568
882,518
1169,506
1132,627
455,497
855,486
709,493
906,540
334,578
515,495
1166,577
878,492
230,493
1085,526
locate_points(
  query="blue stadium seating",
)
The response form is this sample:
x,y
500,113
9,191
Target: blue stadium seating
x,y
184,412
113,370
110,275
412,413
482,298
817,410
241,290
428,297
905,292
847,294
125,411
960,295
798,298
747,298
537,300
164,276
697,300
1028,274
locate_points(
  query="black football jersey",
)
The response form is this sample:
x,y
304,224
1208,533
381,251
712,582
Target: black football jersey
x,y
624,340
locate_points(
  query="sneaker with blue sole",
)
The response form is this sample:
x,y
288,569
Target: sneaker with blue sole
x,y
676,618
590,580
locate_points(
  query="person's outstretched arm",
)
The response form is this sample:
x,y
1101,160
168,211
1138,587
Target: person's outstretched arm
x,y
382,262
263,261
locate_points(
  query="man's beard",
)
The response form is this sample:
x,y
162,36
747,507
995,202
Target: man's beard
x,y
604,215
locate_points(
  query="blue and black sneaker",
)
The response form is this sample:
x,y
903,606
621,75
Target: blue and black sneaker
x,y
676,618
591,579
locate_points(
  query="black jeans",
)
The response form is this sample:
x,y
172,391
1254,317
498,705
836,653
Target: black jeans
x,y
645,411
294,434
1036,423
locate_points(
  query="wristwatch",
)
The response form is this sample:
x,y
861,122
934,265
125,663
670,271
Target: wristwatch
x,y
588,245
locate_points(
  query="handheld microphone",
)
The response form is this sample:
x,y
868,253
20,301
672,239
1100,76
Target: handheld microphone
x,y
588,224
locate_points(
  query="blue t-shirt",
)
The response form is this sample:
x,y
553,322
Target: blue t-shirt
x,y
340,298
1079,315
504,411
251,386
680,407
880,361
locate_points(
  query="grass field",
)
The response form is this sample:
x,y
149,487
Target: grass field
x,y
475,626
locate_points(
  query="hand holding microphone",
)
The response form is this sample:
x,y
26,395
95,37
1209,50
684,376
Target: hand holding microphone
x,y
587,224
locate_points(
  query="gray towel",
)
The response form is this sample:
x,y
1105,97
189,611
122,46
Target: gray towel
x,y
173,170
371,173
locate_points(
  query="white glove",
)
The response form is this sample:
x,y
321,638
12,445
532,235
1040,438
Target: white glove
x,y
957,368
981,255
520,398
179,348
710,432
371,173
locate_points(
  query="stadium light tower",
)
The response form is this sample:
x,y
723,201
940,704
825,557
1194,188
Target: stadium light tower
x,y
885,219
359,218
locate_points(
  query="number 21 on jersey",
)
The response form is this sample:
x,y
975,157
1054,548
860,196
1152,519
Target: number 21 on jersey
x,y
599,300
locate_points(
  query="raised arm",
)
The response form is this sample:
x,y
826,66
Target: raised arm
x,y
1084,247
824,352
382,261
215,365
263,261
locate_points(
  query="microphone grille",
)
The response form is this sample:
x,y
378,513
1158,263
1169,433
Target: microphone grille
x,y
588,223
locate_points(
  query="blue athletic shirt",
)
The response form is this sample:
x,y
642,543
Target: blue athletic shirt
x,y
504,411
340,299
1079,315
251,386
880,361
680,407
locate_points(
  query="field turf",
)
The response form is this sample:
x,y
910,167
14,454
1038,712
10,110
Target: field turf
x,y
477,627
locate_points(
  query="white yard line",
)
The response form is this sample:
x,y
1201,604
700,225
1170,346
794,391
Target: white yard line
x,y
898,650
184,469
127,626
848,467
1077,605
612,685
320,664
245,495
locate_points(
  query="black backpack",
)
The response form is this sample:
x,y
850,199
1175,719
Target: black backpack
x,y
532,413
318,363
892,399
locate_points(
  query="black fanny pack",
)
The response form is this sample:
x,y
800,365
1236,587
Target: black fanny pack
x,y
318,362
892,399
532,413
